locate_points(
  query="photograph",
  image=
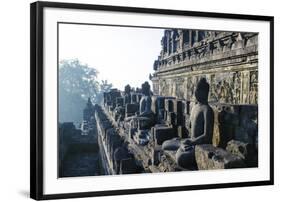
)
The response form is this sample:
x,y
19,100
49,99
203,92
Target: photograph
x,y
130,100
140,101
135,100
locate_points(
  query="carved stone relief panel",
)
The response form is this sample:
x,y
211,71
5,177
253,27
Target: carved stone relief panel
x,y
253,87
221,87
179,91
156,87
238,87
162,86
245,86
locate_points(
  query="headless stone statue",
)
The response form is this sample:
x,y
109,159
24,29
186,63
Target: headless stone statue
x,y
145,118
145,102
201,127
127,94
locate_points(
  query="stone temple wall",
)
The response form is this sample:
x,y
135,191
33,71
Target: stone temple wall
x,y
228,60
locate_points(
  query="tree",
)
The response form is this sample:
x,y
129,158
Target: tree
x,y
77,83
104,87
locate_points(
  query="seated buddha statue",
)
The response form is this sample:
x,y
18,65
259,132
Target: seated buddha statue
x,y
200,127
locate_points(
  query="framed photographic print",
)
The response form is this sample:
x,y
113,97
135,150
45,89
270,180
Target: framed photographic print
x,y
131,100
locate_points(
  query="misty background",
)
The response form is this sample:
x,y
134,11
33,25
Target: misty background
x,y
95,58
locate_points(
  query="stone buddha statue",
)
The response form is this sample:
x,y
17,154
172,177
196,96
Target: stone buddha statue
x,y
145,118
145,102
127,94
200,127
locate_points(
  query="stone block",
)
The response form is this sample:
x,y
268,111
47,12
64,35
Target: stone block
x,y
216,131
104,126
209,157
112,95
169,105
241,134
186,107
226,120
154,104
182,132
244,150
131,109
139,96
171,144
120,101
180,113
171,118
157,107
248,127
134,98
180,106
163,133
185,157
128,166
155,155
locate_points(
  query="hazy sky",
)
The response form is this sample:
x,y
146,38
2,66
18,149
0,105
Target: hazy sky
x,y
122,55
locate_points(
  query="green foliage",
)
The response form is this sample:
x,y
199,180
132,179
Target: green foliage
x,y
77,83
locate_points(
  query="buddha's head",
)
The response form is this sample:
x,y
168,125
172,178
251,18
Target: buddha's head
x,y
127,89
202,91
145,87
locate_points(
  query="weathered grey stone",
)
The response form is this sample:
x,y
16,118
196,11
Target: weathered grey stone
x,y
169,105
127,94
145,115
155,155
185,157
139,96
134,98
112,95
248,127
244,150
120,101
145,102
182,132
229,56
171,118
237,122
157,107
171,145
180,118
128,166
163,133
120,153
154,104
209,157
131,109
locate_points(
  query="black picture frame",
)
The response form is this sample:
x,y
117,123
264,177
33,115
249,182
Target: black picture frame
x,y
37,99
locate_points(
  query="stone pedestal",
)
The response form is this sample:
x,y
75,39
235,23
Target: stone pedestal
x,y
209,157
